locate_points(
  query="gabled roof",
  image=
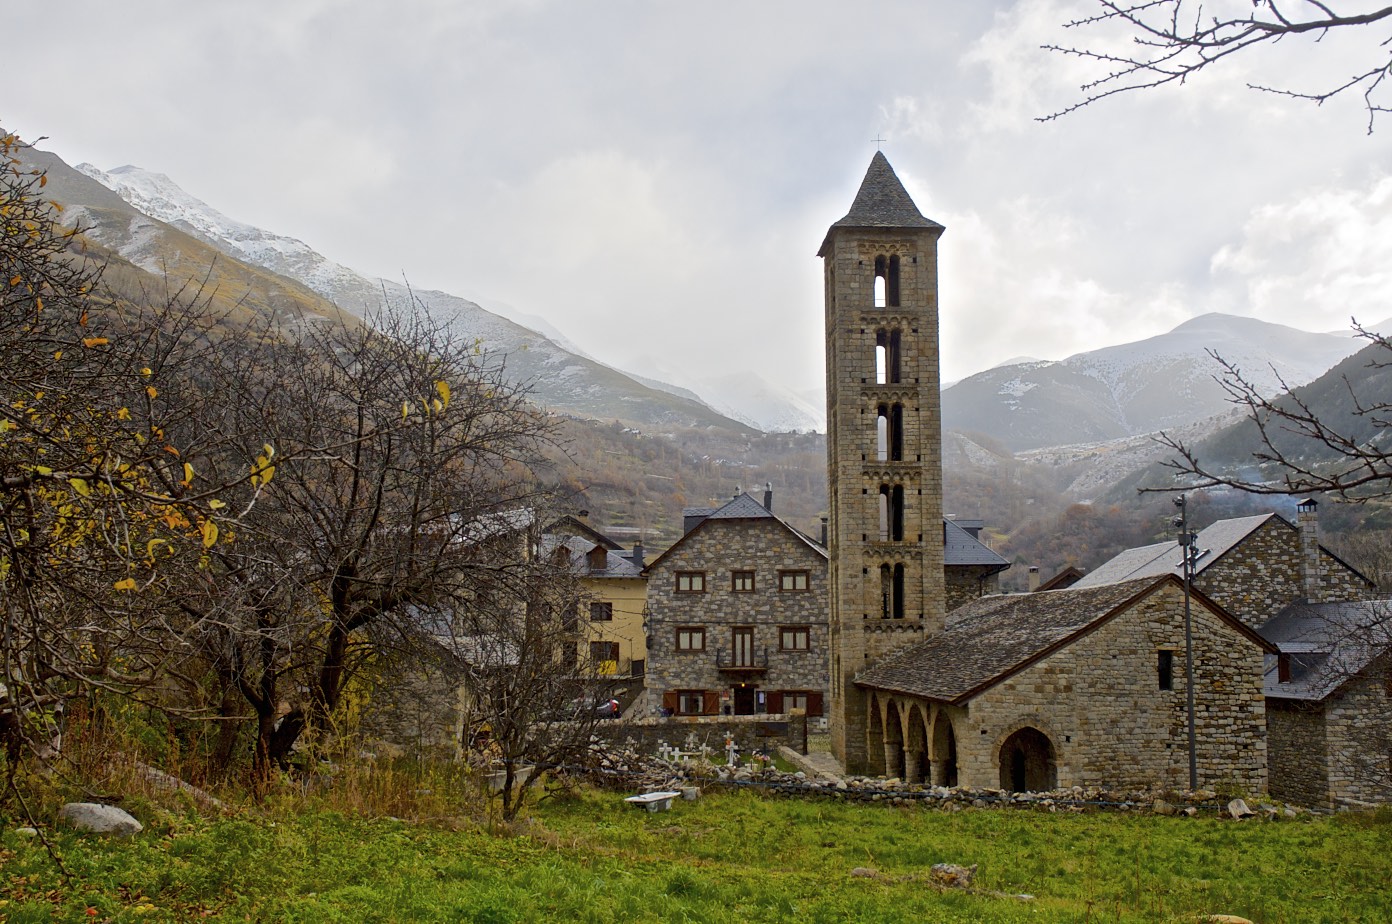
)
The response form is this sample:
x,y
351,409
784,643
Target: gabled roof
x,y
1328,644
1069,576
962,548
992,638
740,507
1213,542
1165,557
882,202
573,524
579,548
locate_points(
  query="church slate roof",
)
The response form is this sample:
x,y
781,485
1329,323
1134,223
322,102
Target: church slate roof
x,y
1165,558
881,202
962,548
1328,643
989,639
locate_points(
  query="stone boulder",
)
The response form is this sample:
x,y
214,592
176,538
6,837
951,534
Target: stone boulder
x,y
100,819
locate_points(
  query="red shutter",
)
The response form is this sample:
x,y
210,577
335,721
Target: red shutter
x,y
773,701
814,704
669,702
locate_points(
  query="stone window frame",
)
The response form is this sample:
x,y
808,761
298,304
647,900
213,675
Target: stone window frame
x,y
795,632
788,580
690,639
1164,669
738,577
601,611
695,582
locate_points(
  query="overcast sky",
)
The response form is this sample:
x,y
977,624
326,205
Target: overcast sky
x,y
654,178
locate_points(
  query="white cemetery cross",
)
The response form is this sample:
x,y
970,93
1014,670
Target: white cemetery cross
x,y
731,753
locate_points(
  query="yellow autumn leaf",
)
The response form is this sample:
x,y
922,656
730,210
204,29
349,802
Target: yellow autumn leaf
x,y
80,486
90,342
405,410
216,504
154,544
127,584
188,473
437,406
42,470
210,533
442,387
151,391
146,372
57,355
123,414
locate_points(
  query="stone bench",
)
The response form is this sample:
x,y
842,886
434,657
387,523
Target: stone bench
x,y
654,801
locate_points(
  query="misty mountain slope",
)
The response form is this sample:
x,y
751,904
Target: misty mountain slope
x,y
174,258
1136,388
1363,378
560,380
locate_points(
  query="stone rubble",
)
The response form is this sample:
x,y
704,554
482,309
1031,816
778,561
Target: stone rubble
x,y
627,769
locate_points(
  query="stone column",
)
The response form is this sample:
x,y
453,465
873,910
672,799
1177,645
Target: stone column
x,y
912,762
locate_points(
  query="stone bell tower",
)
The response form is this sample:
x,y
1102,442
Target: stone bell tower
x,y
884,440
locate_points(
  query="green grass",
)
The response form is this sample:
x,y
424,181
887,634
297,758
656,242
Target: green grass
x,y
727,857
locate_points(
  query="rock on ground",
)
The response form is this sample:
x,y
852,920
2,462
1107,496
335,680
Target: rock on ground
x,y
100,819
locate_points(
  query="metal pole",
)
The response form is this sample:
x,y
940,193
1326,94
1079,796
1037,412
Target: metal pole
x,y
1186,546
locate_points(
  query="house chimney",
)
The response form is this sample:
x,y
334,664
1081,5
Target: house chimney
x,y
1033,578
768,496
637,556
1308,513
583,514
824,532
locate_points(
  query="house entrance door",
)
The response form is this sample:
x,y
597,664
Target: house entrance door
x,y
744,700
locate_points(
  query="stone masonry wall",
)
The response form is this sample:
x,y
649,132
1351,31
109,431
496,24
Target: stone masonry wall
x,y
1359,737
717,547
962,585
1099,703
1297,752
1262,575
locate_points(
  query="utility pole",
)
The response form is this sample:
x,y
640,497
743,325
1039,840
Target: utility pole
x,y
1188,543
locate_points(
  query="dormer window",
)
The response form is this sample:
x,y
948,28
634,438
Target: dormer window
x,y
598,559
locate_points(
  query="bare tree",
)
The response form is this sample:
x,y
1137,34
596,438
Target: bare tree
x,y
532,698
1173,40
396,443
1340,446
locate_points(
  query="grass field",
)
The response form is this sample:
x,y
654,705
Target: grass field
x,y
726,857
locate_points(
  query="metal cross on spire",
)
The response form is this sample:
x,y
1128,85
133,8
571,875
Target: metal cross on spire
x,y
878,141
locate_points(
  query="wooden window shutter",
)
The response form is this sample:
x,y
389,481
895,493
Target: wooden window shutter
x,y
814,704
711,700
669,701
774,701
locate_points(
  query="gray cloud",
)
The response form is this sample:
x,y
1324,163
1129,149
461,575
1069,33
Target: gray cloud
x,y
654,178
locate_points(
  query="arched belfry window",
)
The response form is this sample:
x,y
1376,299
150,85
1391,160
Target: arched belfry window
x,y
887,281
891,513
891,591
889,433
887,361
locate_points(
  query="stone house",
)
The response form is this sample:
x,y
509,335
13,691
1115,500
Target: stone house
x,y
1253,567
613,589
737,615
1329,704
1074,687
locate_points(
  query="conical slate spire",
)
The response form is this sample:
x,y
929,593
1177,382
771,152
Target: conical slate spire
x,y
882,202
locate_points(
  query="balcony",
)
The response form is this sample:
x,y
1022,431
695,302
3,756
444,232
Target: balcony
x,y
742,662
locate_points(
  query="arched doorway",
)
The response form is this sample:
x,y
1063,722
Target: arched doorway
x,y
944,752
893,741
874,738
1027,762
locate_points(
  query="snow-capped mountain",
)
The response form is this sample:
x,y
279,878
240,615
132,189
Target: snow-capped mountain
x,y
1134,388
564,376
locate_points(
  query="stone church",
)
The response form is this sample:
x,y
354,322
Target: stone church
x,y
1067,687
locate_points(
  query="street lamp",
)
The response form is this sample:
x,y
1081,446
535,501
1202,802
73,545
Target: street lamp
x,y
1188,547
